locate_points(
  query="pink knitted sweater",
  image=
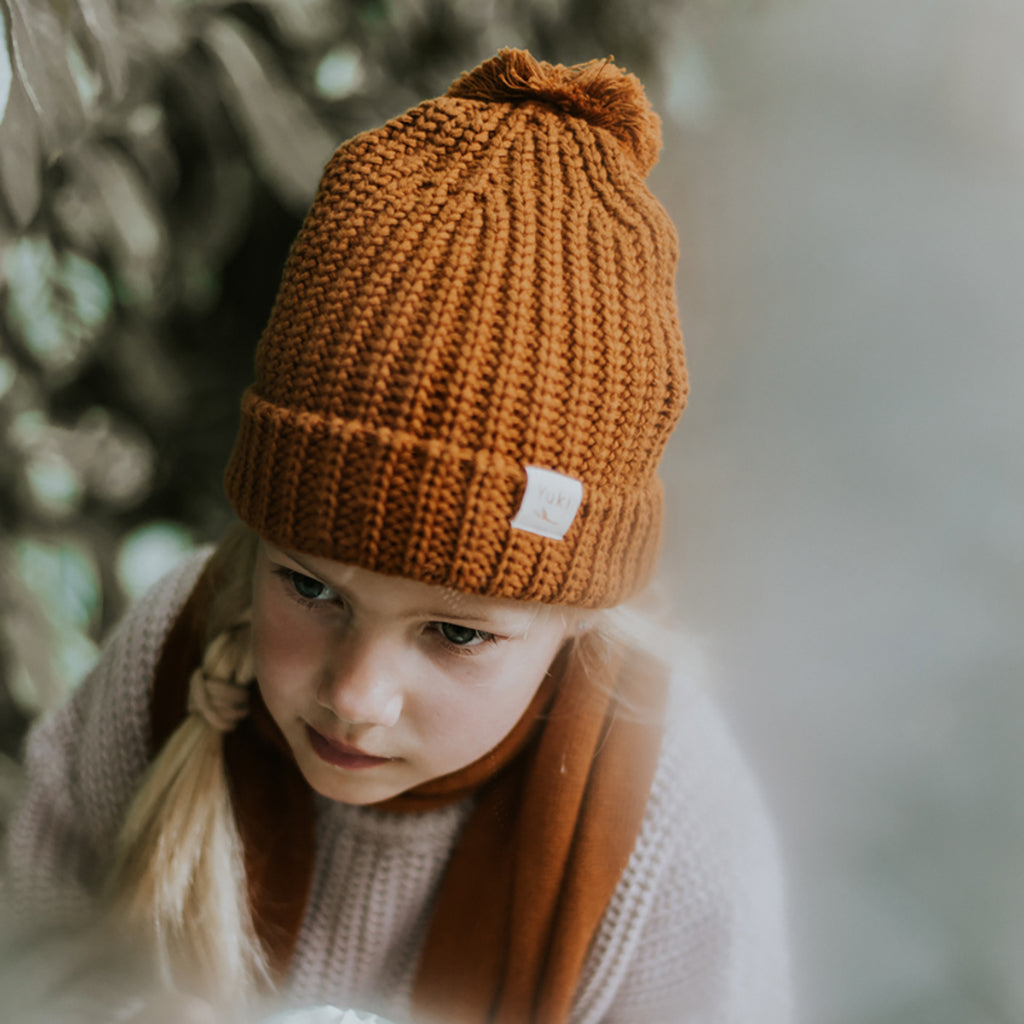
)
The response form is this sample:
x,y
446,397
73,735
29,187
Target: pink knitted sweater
x,y
694,933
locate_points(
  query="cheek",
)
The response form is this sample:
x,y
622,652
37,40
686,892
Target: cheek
x,y
457,731
283,644
477,716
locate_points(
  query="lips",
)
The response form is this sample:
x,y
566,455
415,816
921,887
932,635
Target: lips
x,y
342,755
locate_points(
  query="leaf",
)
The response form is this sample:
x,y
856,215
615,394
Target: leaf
x,y
289,144
155,31
306,23
152,383
108,47
88,293
29,637
57,307
116,460
20,158
6,71
223,196
123,215
57,584
41,64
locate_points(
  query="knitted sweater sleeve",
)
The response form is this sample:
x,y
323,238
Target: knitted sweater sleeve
x,y
82,764
695,932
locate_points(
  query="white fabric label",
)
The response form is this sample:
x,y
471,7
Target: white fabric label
x,y
550,503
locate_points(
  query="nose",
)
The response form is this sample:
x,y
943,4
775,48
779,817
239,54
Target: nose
x,y
360,681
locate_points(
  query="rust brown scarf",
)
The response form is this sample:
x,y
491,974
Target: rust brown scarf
x,y
558,807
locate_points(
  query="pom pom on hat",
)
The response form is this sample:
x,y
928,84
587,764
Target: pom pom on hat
x,y
597,92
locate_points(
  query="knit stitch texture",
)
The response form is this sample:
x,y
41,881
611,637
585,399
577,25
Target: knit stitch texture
x,y
485,283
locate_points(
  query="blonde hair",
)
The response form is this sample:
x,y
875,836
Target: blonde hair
x,y
178,877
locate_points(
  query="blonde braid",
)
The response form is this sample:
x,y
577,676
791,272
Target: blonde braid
x,y
179,875
219,688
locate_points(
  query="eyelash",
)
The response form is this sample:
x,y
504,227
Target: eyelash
x,y
463,650
292,578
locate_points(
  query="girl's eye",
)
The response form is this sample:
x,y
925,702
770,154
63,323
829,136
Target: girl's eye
x,y
309,588
305,587
462,636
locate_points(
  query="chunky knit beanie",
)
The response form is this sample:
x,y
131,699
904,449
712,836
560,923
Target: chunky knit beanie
x,y
474,361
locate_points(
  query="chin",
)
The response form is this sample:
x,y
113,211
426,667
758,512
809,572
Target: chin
x,y
347,790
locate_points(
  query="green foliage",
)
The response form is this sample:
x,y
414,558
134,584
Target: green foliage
x,y
156,157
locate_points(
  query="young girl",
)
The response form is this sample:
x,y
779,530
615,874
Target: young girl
x,y
404,750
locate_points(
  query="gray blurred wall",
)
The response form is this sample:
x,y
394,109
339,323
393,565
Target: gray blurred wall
x,y
847,538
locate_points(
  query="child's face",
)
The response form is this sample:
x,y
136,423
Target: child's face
x,y
381,683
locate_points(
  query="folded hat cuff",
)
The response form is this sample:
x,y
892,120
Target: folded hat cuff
x,y
428,510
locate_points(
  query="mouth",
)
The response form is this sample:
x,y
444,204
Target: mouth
x,y
342,755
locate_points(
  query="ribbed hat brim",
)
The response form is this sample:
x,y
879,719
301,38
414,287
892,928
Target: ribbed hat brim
x,y
394,503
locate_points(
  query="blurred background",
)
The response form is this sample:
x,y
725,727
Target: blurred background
x,y
846,533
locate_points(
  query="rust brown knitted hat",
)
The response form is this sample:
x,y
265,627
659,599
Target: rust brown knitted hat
x,y
482,291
